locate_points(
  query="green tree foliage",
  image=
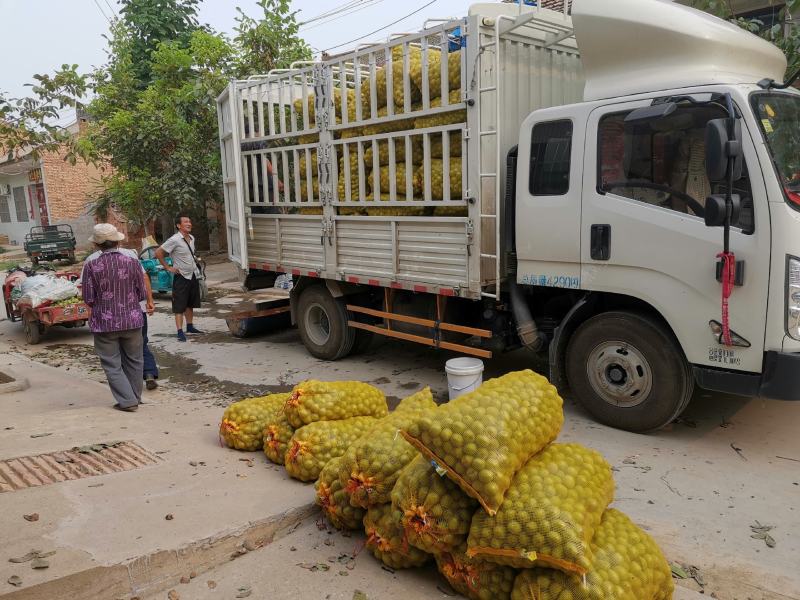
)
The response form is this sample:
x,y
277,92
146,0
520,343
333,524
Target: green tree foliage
x,y
271,42
783,32
28,124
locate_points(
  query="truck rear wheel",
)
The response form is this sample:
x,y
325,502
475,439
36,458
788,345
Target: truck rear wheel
x,y
322,322
628,371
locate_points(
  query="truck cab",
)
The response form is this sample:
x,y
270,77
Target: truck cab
x,y
624,177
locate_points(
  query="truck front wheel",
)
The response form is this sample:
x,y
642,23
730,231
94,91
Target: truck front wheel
x,y
628,371
322,322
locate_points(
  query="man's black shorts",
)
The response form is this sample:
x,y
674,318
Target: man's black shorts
x,y
185,293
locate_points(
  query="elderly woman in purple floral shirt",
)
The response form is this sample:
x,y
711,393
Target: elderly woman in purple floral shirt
x,y
113,286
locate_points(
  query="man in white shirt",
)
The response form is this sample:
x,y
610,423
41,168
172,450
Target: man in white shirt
x,y
186,270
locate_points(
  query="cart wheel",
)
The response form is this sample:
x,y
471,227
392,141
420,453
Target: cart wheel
x,y
32,331
35,261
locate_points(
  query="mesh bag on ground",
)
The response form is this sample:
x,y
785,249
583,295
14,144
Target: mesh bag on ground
x,y
371,466
334,500
550,512
483,438
385,539
277,434
473,578
627,564
314,400
242,425
314,445
436,513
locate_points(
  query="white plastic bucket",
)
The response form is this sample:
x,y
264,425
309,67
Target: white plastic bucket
x,y
464,375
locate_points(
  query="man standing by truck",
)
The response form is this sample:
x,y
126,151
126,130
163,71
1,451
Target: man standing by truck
x,y
187,272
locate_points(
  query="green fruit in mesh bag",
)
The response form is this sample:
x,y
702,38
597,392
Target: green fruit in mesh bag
x,y
243,422
481,439
550,512
314,400
371,466
626,565
436,513
457,115
473,578
436,173
385,539
334,500
276,436
314,445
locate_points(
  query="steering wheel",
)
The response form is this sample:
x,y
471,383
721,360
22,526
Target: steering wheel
x,y
697,208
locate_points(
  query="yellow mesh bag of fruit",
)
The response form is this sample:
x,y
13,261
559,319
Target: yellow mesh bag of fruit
x,y
436,168
437,144
473,578
449,117
483,438
399,151
334,500
243,422
436,513
388,126
385,539
626,564
550,512
313,445
401,184
376,210
371,466
314,400
277,434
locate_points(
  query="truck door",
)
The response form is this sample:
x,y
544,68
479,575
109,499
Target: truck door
x,y
643,233
230,141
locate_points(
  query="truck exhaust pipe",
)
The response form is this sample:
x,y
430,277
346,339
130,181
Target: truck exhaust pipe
x,y
527,330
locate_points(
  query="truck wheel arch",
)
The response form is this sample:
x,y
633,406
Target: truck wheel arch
x,y
593,303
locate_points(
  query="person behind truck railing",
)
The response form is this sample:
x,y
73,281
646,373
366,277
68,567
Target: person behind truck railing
x,y
113,285
187,272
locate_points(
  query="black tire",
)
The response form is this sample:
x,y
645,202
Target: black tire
x,y
363,341
628,371
33,333
322,322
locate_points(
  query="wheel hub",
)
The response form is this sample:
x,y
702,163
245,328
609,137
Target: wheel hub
x,y
620,374
318,325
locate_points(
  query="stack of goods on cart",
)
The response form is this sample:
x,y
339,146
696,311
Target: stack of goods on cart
x,y
45,290
479,486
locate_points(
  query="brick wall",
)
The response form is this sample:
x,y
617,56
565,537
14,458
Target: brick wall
x,y
69,188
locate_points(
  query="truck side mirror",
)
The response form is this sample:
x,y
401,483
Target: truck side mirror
x,y
719,148
715,210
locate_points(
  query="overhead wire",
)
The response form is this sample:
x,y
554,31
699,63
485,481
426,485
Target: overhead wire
x,y
102,12
349,11
333,11
424,6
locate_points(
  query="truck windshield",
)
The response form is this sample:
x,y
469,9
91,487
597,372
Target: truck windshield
x,y
778,115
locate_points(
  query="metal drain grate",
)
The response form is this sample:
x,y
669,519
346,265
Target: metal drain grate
x,y
43,469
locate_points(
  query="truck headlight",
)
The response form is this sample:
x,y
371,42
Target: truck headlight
x,y
793,299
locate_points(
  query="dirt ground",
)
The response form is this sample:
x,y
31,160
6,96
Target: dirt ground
x,y
697,487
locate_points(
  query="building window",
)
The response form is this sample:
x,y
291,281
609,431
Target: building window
x,y
21,205
551,147
5,211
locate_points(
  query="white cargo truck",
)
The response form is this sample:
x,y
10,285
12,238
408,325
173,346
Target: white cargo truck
x,y
619,188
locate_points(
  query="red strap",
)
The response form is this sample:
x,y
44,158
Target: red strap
x,y
728,283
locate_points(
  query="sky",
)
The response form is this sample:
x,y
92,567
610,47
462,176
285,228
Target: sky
x,y
41,35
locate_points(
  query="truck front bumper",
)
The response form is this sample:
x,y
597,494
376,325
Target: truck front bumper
x,y
779,378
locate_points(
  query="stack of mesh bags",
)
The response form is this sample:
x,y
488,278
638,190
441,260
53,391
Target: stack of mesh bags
x,y
243,422
327,417
540,525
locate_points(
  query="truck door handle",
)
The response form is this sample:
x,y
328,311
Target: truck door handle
x,y
601,242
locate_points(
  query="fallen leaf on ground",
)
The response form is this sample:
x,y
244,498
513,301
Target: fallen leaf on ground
x,y
359,595
678,571
244,592
169,517
211,584
31,517
193,574
173,595
15,580
185,579
38,435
